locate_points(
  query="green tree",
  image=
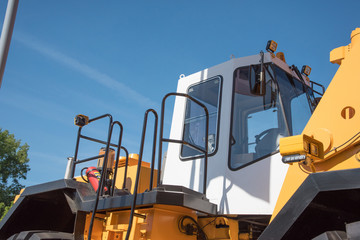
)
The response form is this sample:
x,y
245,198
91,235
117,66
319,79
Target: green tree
x,y
13,167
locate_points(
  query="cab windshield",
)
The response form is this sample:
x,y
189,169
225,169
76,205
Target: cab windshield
x,y
258,122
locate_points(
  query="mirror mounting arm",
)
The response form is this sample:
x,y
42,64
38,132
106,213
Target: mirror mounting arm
x,y
262,73
257,77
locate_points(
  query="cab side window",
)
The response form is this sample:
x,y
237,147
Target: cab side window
x,y
208,93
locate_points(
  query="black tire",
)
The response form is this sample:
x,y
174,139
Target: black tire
x,y
41,235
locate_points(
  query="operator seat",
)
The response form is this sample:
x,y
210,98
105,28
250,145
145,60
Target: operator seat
x,y
267,142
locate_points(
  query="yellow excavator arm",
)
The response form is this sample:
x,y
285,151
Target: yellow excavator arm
x,y
334,125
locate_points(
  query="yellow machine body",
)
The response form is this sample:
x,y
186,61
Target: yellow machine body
x,y
131,174
335,122
160,222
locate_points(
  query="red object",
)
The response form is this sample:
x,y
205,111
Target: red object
x,y
94,176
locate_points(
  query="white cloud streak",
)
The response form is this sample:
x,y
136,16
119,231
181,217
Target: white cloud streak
x,y
84,69
38,107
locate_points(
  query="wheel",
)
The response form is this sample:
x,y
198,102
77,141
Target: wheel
x,y
41,235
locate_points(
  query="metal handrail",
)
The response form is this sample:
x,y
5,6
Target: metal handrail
x,y
133,204
161,139
117,155
79,136
319,85
104,172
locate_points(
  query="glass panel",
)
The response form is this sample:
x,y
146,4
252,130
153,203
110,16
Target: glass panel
x,y
296,97
258,128
257,121
208,93
300,113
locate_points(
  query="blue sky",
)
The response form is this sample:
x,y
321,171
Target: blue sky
x,y
122,57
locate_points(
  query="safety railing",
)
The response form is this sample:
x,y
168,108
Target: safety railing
x,y
105,156
133,204
162,139
318,85
108,144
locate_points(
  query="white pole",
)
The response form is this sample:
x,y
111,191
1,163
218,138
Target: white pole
x,y
69,168
6,34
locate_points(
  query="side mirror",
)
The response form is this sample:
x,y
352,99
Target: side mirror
x,y
257,80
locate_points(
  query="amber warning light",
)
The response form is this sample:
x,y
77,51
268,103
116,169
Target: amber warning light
x,y
306,70
271,46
